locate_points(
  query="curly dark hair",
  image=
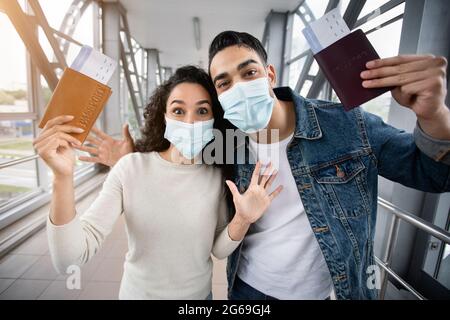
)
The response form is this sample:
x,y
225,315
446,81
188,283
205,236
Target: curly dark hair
x,y
155,125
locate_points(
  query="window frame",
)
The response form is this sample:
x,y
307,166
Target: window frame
x,y
20,205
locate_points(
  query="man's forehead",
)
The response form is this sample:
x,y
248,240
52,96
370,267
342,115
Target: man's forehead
x,y
230,58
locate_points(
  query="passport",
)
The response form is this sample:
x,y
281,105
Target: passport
x,y
82,91
342,56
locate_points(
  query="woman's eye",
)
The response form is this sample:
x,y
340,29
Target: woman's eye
x,y
203,111
177,111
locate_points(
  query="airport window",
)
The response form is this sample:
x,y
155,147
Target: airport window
x,y
20,106
386,41
294,70
16,122
138,79
371,6
299,44
383,28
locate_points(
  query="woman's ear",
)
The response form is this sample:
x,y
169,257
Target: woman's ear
x,y
272,75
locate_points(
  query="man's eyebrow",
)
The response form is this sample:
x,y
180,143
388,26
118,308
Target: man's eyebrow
x,y
246,63
177,101
240,66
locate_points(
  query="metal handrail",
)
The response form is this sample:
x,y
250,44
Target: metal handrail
x,y
18,161
400,214
416,221
399,279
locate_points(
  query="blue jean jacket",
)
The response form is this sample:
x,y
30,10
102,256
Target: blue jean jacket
x,y
335,158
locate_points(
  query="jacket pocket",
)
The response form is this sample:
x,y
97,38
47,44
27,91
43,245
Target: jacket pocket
x,y
343,185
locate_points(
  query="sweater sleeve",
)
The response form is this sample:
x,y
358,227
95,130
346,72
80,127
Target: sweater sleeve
x,y
223,244
77,241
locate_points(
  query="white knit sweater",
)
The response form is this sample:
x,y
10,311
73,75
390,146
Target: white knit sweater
x,y
175,218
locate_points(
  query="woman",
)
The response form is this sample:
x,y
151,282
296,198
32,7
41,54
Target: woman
x,y
175,209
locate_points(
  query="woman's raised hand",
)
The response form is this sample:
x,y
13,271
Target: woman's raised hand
x,y
105,149
251,205
55,146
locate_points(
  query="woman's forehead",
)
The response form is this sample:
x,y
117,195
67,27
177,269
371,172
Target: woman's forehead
x,y
189,92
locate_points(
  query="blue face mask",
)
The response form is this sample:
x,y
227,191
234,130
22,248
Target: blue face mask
x,y
248,105
189,138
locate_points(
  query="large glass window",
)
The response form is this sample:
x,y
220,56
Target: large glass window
x,y
383,31
13,75
16,123
307,12
294,71
299,43
23,95
370,6
386,41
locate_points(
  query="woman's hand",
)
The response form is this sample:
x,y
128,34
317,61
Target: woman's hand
x,y
55,146
105,149
251,205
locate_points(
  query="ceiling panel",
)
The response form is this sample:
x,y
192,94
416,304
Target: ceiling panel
x,y
168,25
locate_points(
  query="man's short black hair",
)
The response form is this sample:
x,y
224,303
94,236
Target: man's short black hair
x,y
233,38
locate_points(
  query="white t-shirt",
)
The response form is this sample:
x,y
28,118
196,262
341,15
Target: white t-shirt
x,y
280,255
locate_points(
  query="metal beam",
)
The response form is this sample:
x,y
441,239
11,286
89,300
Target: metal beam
x,y
30,39
42,21
71,20
126,30
130,86
111,115
274,40
152,67
377,12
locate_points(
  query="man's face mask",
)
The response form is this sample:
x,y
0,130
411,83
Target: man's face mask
x,y
248,105
189,138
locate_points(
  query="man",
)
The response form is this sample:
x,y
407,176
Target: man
x,y
318,235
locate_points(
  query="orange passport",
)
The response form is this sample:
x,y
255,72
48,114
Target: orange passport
x,y
80,96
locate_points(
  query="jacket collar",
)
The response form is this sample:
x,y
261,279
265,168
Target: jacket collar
x,y
306,123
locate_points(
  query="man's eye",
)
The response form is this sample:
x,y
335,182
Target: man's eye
x,y
222,84
250,73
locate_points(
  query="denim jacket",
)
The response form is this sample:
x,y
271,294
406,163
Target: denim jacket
x,y
335,158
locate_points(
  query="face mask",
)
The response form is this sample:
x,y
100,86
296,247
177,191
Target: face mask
x,y
248,105
189,138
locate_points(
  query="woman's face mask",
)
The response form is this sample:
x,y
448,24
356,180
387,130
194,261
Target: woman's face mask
x,y
248,105
189,138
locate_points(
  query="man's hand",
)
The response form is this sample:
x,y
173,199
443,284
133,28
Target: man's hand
x,y
251,205
420,84
105,149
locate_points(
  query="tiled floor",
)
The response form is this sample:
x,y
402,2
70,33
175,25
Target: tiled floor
x,y
27,271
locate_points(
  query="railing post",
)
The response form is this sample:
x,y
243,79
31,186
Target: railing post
x,y
390,245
